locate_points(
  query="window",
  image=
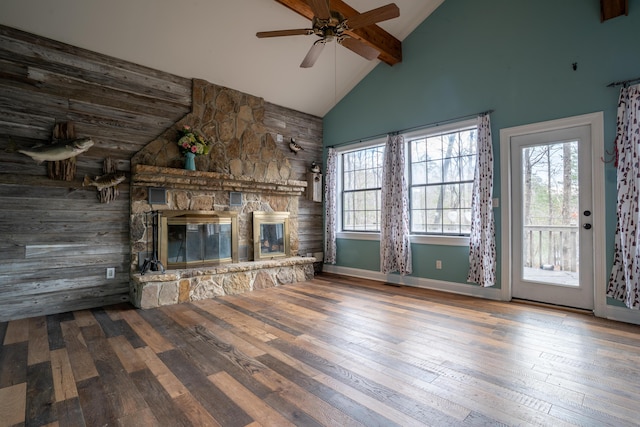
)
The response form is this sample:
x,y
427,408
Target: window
x,y
361,181
440,169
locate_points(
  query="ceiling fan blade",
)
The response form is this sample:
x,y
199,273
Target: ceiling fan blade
x,y
360,48
280,33
320,8
373,16
313,54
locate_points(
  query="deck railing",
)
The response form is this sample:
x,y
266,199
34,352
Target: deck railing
x,y
551,247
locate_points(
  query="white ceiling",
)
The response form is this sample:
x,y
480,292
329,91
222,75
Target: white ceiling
x,y
215,40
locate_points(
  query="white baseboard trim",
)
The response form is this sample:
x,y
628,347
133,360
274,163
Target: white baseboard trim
x,y
623,314
418,282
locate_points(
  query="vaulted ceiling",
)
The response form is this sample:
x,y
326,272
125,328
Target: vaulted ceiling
x,y
215,40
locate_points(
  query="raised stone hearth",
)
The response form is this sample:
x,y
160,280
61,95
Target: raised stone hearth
x,y
178,286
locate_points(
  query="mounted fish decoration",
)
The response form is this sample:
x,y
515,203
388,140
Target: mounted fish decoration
x,y
61,150
105,181
107,184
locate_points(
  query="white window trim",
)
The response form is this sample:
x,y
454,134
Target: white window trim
x,y
421,239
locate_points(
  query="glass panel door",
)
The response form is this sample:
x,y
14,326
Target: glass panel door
x,y
550,212
552,239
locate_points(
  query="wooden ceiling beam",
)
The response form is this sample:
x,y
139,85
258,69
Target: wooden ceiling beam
x,y
390,48
613,8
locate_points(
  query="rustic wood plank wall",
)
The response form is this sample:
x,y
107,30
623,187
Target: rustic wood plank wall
x,y
56,239
307,131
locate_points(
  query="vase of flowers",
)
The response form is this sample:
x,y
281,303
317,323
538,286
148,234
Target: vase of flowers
x,y
191,144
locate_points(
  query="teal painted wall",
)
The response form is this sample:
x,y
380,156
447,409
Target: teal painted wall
x,y
513,56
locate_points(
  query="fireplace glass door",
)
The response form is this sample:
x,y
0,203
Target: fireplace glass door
x,y
270,235
192,240
189,243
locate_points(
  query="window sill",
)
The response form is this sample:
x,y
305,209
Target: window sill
x,y
417,239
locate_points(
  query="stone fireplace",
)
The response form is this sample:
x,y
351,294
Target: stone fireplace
x,y
201,191
244,160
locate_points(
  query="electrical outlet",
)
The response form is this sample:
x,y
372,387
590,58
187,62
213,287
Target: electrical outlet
x,y
111,273
438,264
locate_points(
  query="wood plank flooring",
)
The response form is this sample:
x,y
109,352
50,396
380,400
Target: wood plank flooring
x,y
335,351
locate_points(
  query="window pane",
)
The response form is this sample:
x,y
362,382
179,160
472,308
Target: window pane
x,y
372,220
434,171
451,196
371,200
347,220
434,148
347,202
434,221
465,223
372,178
467,168
466,190
451,169
468,142
418,150
418,173
359,217
418,198
418,221
348,181
451,221
358,201
449,145
434,197
359,180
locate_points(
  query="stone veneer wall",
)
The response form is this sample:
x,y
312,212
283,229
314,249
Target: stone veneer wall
x,y
241,147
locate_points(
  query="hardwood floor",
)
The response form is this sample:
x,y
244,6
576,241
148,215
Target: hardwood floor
x,y
334,351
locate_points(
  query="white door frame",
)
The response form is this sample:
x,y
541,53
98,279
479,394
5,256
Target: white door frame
x,y
596,121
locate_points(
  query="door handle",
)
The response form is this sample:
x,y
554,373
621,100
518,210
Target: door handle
x,y
586,226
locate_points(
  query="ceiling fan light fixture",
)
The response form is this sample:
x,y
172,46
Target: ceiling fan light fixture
x,y
330,24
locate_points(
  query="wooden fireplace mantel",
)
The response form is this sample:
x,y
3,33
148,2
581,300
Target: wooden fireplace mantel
x,y
155,176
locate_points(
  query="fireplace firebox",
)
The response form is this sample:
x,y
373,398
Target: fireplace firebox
x,y
198,238
270,235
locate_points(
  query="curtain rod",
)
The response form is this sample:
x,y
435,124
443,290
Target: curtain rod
x,y
624,82
425,126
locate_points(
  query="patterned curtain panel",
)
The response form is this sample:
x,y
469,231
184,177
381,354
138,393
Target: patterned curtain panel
x,y
395,244
330,207
482,241
625,274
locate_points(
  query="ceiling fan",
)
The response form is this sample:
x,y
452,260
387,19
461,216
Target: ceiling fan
x,y
329,25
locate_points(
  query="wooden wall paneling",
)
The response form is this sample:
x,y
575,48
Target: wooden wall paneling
x,y
307,130
91,67
56,237
25,98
